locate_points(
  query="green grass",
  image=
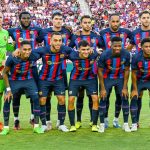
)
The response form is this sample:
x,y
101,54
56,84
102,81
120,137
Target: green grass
x,y
112,139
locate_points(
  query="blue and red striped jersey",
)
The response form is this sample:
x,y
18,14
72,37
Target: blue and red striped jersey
x,y
83,69
107,34
32,34
113,67
142,65
46,35
93,39
52,67
137,36
20,69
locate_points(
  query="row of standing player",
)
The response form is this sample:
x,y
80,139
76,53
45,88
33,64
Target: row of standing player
x,y
36,35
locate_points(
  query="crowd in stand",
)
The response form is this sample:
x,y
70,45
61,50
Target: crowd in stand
x,y
128,10
41,11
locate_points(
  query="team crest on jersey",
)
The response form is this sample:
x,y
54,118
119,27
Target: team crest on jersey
x,y
92,62
139,45
31,32
63,36
121,35
20,39
40,93
122,62
62,55
142,70
18,71
49,62
93,41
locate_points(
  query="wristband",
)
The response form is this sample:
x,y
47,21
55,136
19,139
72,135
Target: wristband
x,y
8,89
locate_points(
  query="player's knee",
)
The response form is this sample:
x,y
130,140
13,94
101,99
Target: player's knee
x,y
95,102
42,100
61,100
71,103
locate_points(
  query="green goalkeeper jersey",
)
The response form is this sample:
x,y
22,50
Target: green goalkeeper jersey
x,y
4,45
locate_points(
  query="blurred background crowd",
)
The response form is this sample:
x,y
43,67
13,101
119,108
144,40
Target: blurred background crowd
x,y
42,10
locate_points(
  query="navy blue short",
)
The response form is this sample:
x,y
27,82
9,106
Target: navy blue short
x,y
28,86
45,87
117,83
91,87
143,86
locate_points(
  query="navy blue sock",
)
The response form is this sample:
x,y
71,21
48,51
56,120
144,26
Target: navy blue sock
x,y
79,107
6,112
48,108
139,106
107,105
36,108
125,109
61,113
43,114
72,117
102,110
95,116
118,105
90,107
31,103
16,104
133,109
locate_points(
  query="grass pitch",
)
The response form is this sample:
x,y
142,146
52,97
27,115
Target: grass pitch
x,y
83,139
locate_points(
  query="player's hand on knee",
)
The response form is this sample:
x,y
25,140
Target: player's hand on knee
x,y
125,93
8,96
134,93
16,53
42,101
103,94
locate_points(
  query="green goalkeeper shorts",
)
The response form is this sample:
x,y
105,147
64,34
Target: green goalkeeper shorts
x,y
2,86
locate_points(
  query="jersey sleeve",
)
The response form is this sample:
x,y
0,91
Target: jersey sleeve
x,y
40,37
127,63
10,31
102,40
34,56
129,34
9,61
72,42
39,51
101,61
132,39
134,63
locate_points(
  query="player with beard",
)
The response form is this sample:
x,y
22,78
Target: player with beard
x,y
57,21
25,32
140,33
113,71
94,40
106,35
